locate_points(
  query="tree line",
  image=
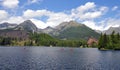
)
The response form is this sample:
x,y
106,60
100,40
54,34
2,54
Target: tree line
x,y
109,41
41,39
46,40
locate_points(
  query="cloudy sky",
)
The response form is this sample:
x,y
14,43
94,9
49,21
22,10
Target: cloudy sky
x,y
97,14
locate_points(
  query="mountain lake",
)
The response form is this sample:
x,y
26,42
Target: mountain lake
x,y
58,58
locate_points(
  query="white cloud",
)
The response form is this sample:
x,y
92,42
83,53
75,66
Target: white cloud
x,y
108,22
39,23
81,10
87,6
57,18
116,25
29,2
3,15
88,11
114,8
38,13
10,3
34,1
53,18
112,22
14,19
85,14
103,9
105,24
92,25
91,15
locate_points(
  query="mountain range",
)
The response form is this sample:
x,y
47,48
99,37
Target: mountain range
x,y
111,29
66,30
74,30
7,25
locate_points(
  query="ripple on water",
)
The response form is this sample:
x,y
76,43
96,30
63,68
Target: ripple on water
x,y
44,58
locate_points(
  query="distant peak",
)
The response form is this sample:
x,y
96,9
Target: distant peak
x,y
48,27
28,21
72,21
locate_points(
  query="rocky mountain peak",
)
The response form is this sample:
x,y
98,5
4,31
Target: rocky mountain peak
x,y
27,25
65,25
29,21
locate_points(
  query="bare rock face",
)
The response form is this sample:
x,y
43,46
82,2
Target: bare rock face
x,y
17,34
27,25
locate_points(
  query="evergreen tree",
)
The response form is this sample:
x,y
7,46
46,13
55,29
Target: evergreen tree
x,y
100,44
118,37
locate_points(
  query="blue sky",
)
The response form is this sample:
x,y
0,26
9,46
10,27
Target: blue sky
x,y
96,14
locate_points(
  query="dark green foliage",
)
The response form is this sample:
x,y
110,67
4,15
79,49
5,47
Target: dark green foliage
x,y
109,41
70,43
5,41
41,39
79,32
46,40
101,42
29,43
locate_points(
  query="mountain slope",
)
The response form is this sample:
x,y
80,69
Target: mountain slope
x,y
48,30
18,34
27,26
66,25
74,30
111,29
98,31
66,30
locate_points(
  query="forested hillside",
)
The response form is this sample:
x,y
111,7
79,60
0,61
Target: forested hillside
x,y
109,41
41,39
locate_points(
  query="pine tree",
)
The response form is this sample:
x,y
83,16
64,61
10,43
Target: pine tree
x,y
105,40
112,37
118,37
117,44
100,44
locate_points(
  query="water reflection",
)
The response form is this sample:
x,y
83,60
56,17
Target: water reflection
x,y
45,58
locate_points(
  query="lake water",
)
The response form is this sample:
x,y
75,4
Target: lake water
x,y
49,58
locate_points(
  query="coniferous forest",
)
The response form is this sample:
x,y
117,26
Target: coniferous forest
x,y
105,41
109,41
41,39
